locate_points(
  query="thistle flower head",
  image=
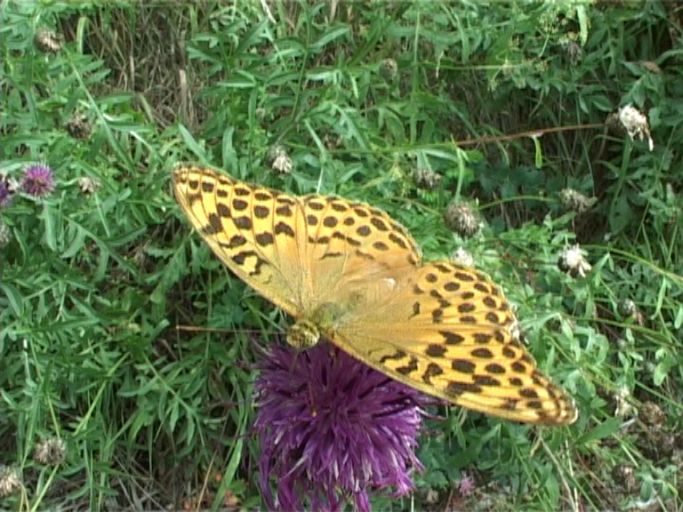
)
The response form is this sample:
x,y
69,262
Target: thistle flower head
x,y
331,429
38,181
78,126
388,69
463,219
426,178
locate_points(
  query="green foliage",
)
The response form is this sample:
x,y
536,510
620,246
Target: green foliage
x,y
95,278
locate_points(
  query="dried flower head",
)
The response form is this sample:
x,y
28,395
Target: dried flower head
x,y
625,475
48,41
463,219
636,125
651,66
11,183
516,330
388,69
628,309
462,257
574,51
281,161
38,181
50,451
331,141
331,429
432,496
9,481
652,414
427,179
88,185
573,261
623,407
8,186
78,126
662,443
576,201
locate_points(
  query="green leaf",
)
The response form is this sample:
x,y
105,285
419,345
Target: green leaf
x,y
77,243
14,298
607,428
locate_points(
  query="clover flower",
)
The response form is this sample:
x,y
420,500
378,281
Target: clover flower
x,y
88,185
332,429
388,68
576,201
38,181
48,41
466,485
280,159
573,261
462,257
50,451
9,481
5,195
636,125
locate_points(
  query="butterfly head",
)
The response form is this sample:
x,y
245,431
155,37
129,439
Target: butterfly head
x,y
303,334
308,330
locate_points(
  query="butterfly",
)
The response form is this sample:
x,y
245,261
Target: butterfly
x,y
349,273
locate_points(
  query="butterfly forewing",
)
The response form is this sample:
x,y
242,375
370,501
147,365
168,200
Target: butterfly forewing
x,y
298,252
238,223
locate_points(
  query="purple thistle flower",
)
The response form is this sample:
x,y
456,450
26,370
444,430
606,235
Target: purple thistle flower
x,y
38,181
331,429
5,194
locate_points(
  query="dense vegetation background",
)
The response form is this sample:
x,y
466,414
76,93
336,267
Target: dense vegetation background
x,y
372,102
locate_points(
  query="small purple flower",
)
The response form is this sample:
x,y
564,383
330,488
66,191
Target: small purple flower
x,y
466,486
331,429
5,194
38,181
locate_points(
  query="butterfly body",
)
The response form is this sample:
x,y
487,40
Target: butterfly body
x,y
349,273
308,330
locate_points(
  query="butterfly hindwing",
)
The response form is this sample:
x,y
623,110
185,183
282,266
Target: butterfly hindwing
x,y
449,331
